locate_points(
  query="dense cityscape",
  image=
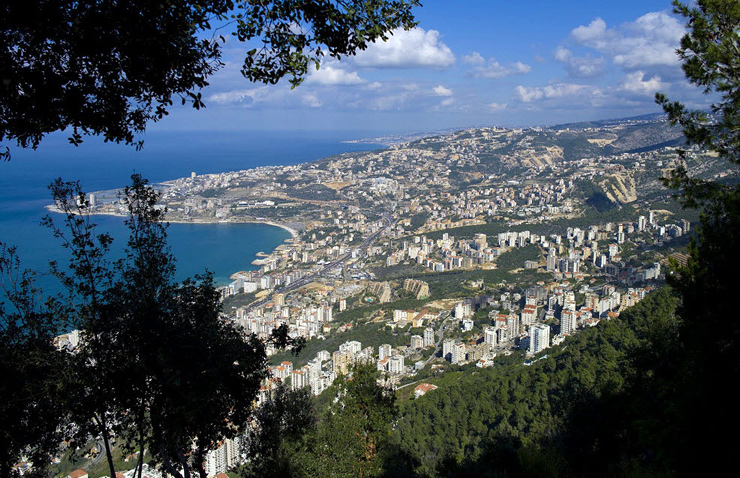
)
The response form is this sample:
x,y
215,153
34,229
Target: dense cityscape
x,y
550,297
450,250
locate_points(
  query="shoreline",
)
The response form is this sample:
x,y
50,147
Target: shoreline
x,y
293,233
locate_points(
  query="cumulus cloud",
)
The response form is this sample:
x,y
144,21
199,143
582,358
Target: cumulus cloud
x,y
649,41
497,106
329,75
580,67
636,88
474,58
561,90
248,95
495,70
562,54
641,53
442,91
594,34
636,83
415,48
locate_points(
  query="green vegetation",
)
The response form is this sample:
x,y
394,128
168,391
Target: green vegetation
x,y
514,258
594,196
351,438
512,418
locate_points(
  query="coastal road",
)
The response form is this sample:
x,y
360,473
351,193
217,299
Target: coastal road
x,y
328,267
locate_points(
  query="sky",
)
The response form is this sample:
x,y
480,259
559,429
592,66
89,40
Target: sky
x,y
470,63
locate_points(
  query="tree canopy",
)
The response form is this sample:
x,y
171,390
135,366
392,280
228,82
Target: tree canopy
x,y
710,333
157,367
108,68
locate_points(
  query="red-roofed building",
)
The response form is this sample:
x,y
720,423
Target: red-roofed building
x,y
423,388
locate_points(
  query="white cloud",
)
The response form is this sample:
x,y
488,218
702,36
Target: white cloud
x,y
649,41
497,106
446,102
474,58
557,91
248,95
636,88
328,75
562,54
585,67
311,100
637,83
580,67
592,35
415,48
495,70
442,91
527,94
375,85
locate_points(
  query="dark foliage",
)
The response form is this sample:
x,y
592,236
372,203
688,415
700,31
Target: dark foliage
x,y
32,402
585,410
108,68
157,367
710,335
278,435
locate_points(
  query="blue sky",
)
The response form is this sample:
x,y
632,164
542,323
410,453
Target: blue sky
x,y
471,63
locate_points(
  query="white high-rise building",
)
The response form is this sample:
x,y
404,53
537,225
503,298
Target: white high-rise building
x,y
224,457
396,365
384,351
539,338
428,337
489,336
568,322
641,223
447,347
352,346
417,342
458,353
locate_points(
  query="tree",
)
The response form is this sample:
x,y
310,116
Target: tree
x,y
158,367
108,68
351,439
276,444
710,333
32,410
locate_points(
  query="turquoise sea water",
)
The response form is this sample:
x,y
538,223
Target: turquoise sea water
x,y
221,248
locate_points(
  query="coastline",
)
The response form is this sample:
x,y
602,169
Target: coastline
x,y
260,256
293,233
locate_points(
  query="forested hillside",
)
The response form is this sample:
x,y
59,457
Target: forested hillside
x,y
581,410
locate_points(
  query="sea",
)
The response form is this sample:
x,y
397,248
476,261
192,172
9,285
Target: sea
x,y
219,248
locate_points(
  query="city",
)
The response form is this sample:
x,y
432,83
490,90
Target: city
x,y
447,251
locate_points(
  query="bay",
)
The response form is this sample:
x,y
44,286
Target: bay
x,y
220,248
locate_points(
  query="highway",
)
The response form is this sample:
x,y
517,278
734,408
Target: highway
x,y
328,267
